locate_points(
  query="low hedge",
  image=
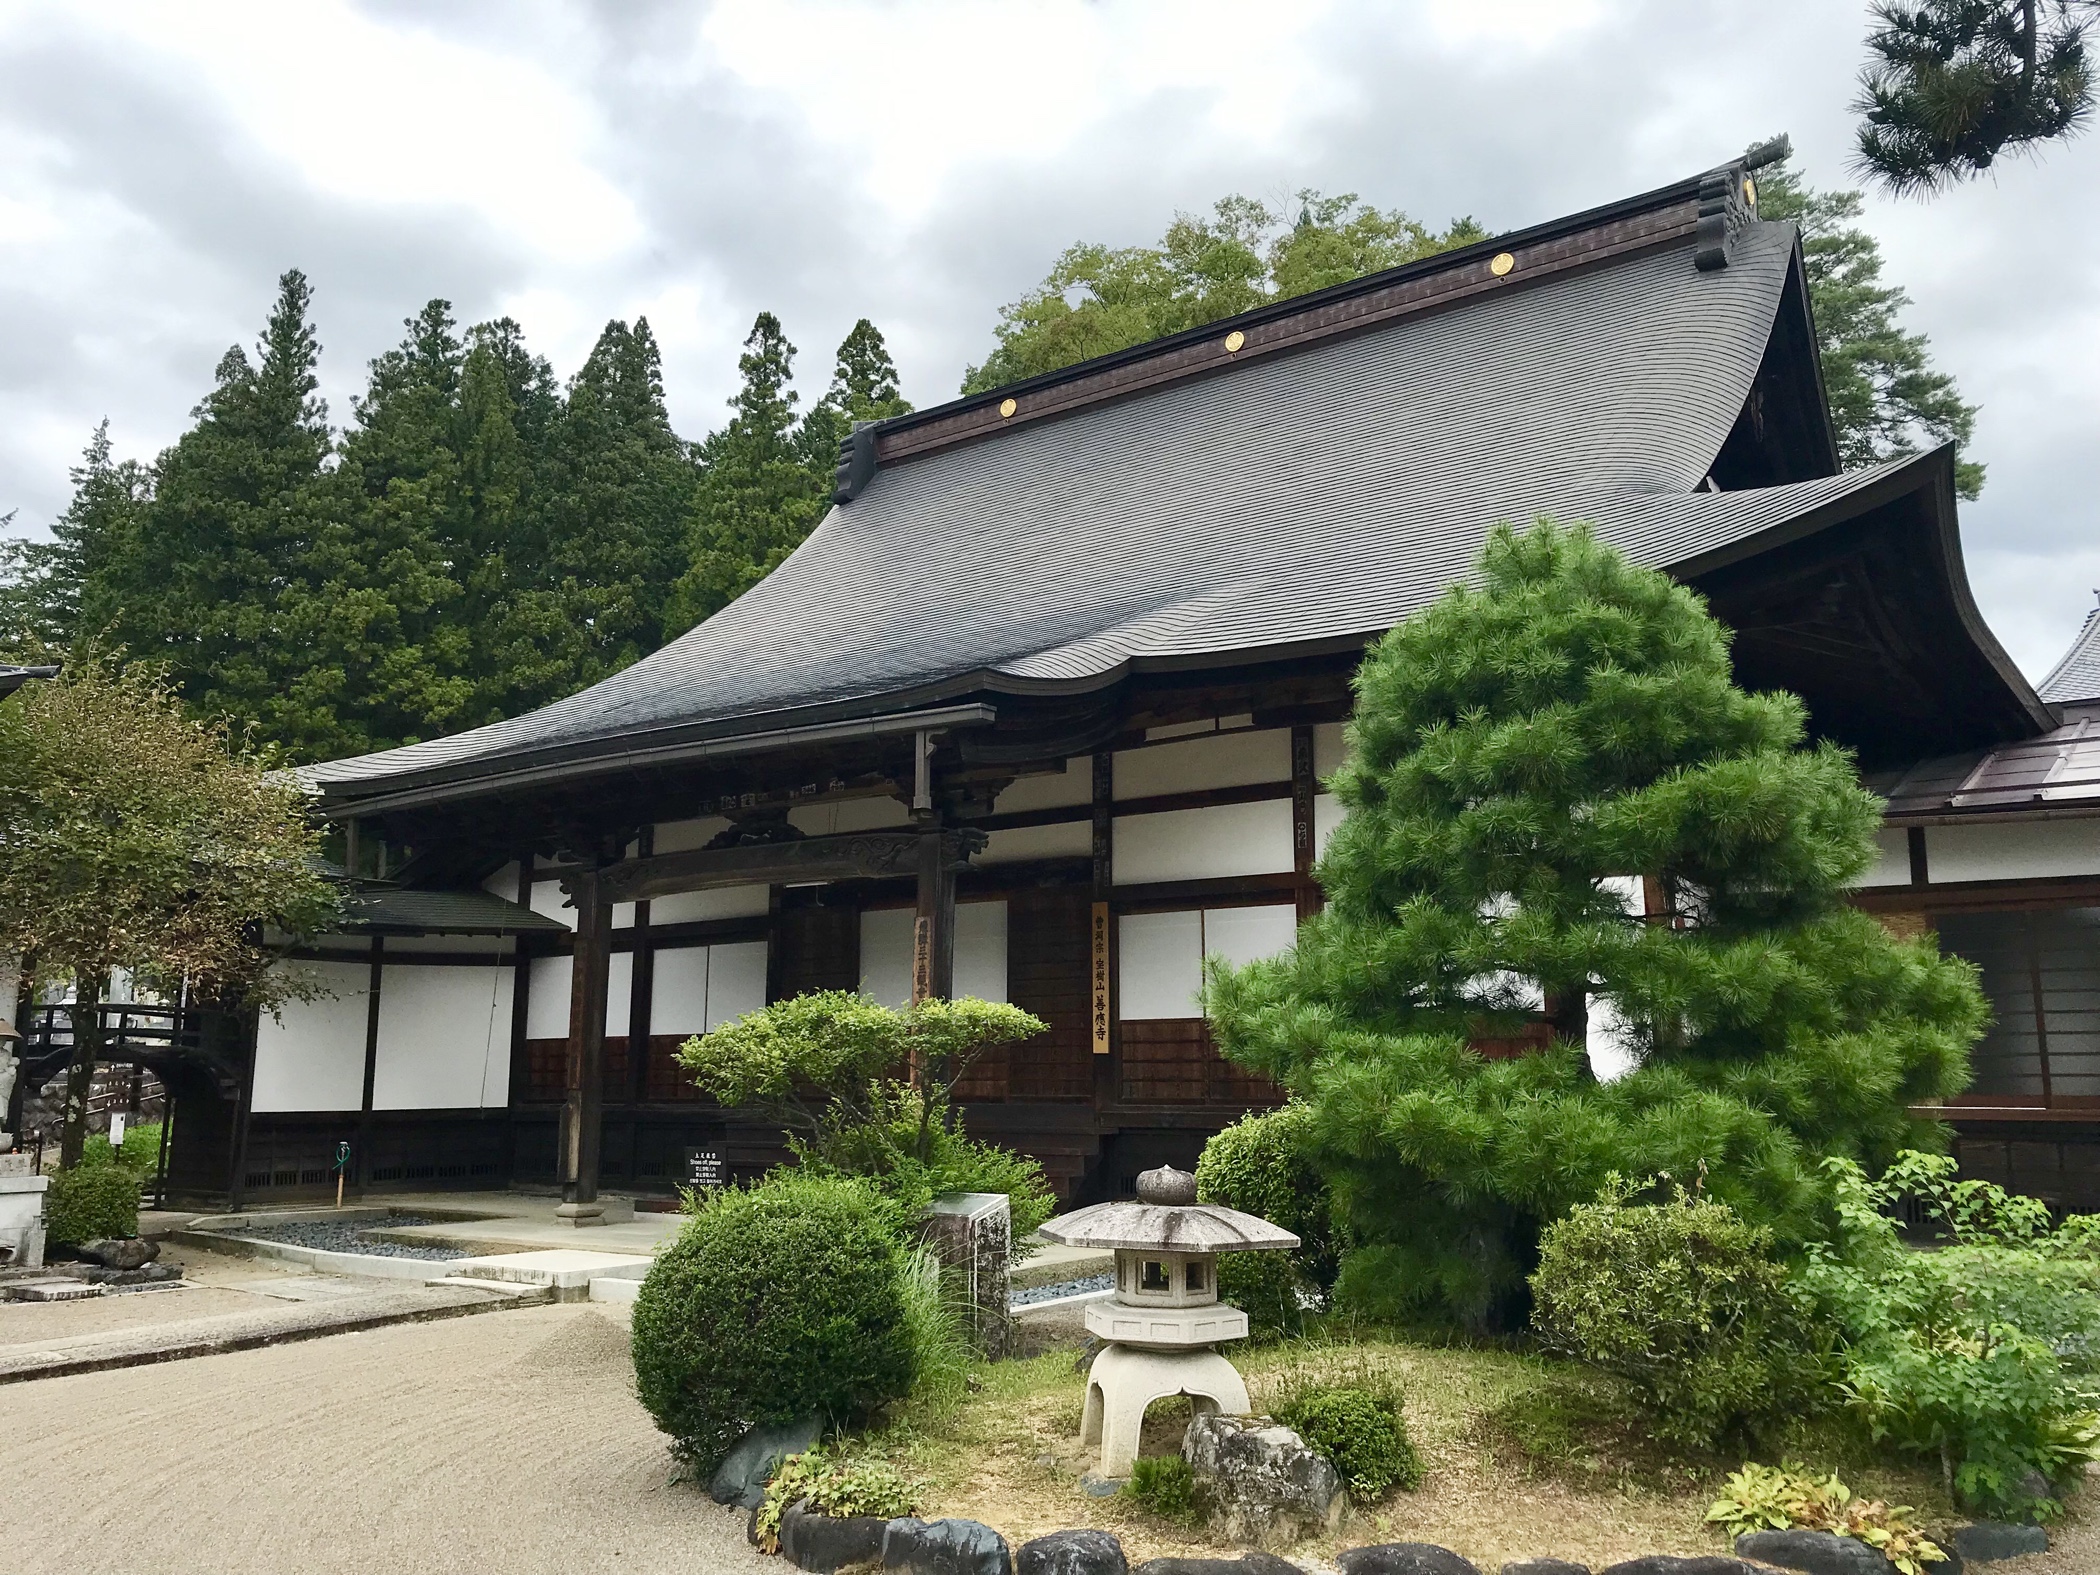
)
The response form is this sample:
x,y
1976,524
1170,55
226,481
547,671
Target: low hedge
x,y
91,1202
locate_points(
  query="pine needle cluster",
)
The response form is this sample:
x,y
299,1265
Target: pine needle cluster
x,y
1524,753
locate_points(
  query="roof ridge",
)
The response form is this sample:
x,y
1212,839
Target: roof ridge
x,y
1711,208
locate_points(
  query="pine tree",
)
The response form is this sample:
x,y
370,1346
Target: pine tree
x,y
228,530
619,489
759,493
1520,754
1886,398
1097,299
59,591
1954,83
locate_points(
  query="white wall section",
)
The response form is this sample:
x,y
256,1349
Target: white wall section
x,y
885,955
678,993
1891,866
1245,935
849,814
1217,760
1330,748
980,950
547,999
1050,789
2012,850
1218,841
1328,813
736,980
1066,839
1160,955
444,1038
720,902
311,1055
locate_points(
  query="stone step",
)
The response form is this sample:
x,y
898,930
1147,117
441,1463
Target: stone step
x,y
565,1271
52,1290
521,1295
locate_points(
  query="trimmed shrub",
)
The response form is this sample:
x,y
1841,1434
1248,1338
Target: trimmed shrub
x,y
140,1153
1684,1300
1164,1486
834,1485
777,1302
90,1202
1258,1165
1362,1430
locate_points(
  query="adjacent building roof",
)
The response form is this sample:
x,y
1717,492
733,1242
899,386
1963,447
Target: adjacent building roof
x,y
1303,483
374,907
2077,675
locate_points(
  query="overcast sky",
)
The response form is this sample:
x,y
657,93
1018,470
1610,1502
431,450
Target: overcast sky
x,y
920,164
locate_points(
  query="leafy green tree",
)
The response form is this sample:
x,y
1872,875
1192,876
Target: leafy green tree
x,y
759,493
133,837
1520,751
235,506
1097,299
1886,397
1952,84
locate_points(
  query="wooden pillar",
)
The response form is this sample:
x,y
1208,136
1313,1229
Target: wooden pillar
x,y
581,1113
363,1156
641,997
933,928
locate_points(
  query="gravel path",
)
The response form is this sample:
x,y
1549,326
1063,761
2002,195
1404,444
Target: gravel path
x,y
509,1442
347,1236
1044,1293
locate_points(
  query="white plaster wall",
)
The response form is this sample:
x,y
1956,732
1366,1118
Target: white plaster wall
x,y
504,883
1160,964
677,836
1245,935
547,1001
980,950
722,902
311,1055
849,814
1328,813
678,994
1218,760
885,955
1891,866
1330,745
619,992
2012,850
1200,844
1071,839
736,980
1050,789
549,899
444,1038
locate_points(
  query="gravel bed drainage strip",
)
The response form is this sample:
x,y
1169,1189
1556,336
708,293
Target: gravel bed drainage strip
x,y
362,1237
1082,1289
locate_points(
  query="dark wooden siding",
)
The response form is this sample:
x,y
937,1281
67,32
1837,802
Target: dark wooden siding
x,y
1173,1061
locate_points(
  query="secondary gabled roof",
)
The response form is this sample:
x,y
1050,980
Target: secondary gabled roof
x,y
2077,675
1202,508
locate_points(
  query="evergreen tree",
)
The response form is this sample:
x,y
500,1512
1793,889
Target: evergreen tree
x,y
1952,84
619,489
1520,753
1886,398
1098,299
58,591
759,492
228,531
863,388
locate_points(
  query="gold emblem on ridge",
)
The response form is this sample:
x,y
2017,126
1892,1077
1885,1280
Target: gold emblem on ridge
x,y
1007,407
1502,264
1234,340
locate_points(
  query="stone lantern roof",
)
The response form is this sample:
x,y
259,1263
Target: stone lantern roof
x,y
1166,1218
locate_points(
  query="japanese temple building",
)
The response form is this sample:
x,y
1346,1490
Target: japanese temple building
x,y
1041,709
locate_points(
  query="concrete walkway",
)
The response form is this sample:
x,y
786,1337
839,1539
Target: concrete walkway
x,y
511,1443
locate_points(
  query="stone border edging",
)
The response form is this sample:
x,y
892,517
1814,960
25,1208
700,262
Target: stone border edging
x,y
367,1266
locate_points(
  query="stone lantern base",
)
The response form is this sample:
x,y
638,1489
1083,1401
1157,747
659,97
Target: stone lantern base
x,y
1123,1382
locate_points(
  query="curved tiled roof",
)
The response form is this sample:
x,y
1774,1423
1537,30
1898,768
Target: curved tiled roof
x,y
1315,496
2077,675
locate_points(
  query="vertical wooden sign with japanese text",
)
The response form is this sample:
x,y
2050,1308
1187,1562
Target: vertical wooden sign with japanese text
x,y
921,960
1099,975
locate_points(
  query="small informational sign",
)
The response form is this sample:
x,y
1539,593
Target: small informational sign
x,y
704,1170
1100,978
116,1130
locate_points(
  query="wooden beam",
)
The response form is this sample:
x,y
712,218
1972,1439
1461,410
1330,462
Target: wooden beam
x,y
861,855
580,1136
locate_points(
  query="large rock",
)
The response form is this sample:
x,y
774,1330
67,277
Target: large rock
x,y
1245,1564
1668,1564
1817,1552
1262,1482
742,1476
945,1547
1404,1558
1990,1540
1072,1553
129,1252
1545,1567
825,1543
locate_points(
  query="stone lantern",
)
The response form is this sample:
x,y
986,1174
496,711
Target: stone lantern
x,y
1165,1319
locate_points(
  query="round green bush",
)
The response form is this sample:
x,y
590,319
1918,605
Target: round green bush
x,y
1258,1165
777,1302
1685,1301
1362,1431
91,1202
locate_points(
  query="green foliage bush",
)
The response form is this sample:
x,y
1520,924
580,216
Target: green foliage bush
x,y
777,1302
1520,750
1779,1498
1164,1486
884,1151
1984,1352
1683,1300
91,1202
140,1153
1261,1165
1362,1430
834,1485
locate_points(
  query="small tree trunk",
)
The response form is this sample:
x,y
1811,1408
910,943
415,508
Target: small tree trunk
x,y
80,1077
